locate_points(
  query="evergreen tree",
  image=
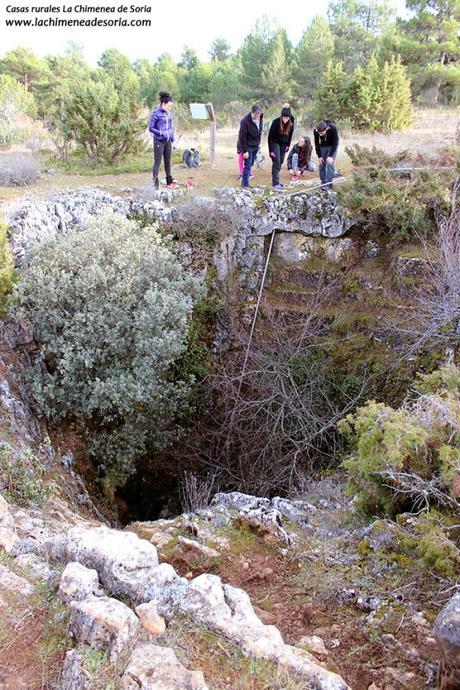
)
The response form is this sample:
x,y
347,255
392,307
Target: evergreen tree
x,y
189,59
362,98
194,84
395,110
15,102
357,26
162,76
105,120
255,54
14,98
332,93
275,81
373,98
220,50
225,82
315,49
115,62
22,64
65,73
429,47
287,45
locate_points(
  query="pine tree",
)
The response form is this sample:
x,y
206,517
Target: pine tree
x,y
189,58
22,64
162,76
220,50
357,26
225,84
194,84
275,79
428,45
255,53
315,49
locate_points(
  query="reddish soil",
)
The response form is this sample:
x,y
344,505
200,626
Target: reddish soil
x,y
272,582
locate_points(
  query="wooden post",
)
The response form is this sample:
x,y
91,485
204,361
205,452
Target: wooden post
x,y
212,118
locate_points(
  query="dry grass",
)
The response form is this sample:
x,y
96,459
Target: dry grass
x,y
222,662
432,128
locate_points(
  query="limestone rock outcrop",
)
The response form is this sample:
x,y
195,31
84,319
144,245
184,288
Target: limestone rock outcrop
x,y
103,623
78,582
153,668
447,634
150,618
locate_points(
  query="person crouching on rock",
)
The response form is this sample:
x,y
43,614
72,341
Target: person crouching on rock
x,y
249,140
279,141
326,146
299,159
161,126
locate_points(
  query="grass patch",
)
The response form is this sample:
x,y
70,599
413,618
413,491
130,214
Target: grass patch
x,y
223,662
77,163
80,165
33,640
23,477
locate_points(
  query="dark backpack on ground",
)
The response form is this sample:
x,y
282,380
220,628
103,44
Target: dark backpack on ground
x,y
191,158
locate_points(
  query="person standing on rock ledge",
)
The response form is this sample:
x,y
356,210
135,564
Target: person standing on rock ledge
x,y
161,126
249,140
326,146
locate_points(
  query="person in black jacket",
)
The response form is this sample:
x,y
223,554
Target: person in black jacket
x,y
299,159
326,146
279,141
249,140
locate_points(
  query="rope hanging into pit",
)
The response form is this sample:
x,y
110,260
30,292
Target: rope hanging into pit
x,y
259,297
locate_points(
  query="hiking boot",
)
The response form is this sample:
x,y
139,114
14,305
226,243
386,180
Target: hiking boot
x,y
156,184
172,185
278,187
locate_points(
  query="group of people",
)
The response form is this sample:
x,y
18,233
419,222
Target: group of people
x,y
326,138
299,160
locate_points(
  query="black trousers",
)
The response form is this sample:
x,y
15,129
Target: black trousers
x,y
162,149
277,162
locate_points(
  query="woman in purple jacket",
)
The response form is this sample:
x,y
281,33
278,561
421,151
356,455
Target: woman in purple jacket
x,y
161,127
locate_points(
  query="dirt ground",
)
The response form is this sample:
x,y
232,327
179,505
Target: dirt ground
x,y
432,129
301,591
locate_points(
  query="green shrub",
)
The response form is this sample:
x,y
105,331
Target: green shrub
x,y
104,118
375,98
399,206
6,268
111,307
17,105
408,458
22,477
429,537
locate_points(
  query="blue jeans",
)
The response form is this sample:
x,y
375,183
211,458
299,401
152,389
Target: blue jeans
x,y
326,170
310,167
248,163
